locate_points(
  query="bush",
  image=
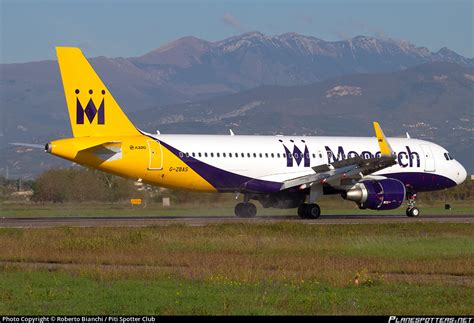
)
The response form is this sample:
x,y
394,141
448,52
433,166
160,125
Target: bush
x,y
79,185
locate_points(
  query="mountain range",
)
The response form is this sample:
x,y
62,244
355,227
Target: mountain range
x,y
254,83
433,101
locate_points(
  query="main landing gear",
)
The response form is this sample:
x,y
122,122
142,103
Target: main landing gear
x,y
412,211
309,211
245,210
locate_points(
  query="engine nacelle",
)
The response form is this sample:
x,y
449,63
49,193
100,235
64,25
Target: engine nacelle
x,y
385,194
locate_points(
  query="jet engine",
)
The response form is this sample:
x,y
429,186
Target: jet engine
x,y
385,194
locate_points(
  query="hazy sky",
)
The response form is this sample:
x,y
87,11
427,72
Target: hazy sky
x,y
31,29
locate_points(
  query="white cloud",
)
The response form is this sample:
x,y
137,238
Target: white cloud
x,y
230,20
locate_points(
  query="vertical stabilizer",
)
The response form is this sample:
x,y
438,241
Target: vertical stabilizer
x,y
92,109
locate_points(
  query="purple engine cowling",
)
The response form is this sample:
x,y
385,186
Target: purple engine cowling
x,y
384,194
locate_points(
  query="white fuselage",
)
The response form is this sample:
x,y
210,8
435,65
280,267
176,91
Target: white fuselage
x,y
266,157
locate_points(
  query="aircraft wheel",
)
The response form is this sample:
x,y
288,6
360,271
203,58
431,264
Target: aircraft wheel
x,y
309,211
245,210
302,210
413,212
251,210
239,210
313,211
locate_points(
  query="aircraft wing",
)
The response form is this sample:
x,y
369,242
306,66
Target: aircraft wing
x,y
338,172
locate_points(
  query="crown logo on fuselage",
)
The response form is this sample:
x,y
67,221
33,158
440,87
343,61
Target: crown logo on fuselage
x,y
296,156
90,110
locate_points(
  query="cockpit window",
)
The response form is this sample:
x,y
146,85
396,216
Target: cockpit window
x,y
448,156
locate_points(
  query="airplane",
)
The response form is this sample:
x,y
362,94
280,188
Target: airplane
x,y
377,173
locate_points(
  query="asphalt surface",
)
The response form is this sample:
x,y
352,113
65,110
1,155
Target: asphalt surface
x,y
135,221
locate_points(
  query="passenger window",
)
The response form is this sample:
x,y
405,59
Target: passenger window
x,y
223,155
194,155
446,156
218,155
266,155
236,155
242,154
212,154
248,155
254,155
230,154
205,154
260,155
273,156
199,154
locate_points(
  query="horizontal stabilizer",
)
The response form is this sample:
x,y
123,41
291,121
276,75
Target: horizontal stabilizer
x,y
108,151
111,145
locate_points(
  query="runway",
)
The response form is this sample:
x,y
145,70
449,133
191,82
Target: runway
x,y
135,221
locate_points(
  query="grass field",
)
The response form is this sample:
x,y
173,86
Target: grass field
x,y
329,206
240,268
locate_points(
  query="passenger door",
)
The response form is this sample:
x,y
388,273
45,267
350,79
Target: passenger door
x,y
429,159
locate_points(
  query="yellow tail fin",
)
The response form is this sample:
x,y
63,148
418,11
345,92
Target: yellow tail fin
x,y
92,109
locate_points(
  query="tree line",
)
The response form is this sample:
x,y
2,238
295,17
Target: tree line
x,y
84,185
89,185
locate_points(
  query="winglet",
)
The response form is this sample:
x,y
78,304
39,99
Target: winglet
x,y
385,149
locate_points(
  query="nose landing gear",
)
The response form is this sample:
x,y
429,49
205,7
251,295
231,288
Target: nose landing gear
x,y
412,211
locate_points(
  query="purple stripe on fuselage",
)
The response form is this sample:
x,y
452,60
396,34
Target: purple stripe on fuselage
x,y
222,180
423,182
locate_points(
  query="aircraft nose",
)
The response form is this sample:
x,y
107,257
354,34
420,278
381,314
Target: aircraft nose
x,y
461,174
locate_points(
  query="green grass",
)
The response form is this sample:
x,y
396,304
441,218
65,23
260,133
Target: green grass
x,y
328,207
240,268
50,293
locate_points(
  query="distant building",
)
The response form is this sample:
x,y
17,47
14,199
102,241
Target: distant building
x,y
22,194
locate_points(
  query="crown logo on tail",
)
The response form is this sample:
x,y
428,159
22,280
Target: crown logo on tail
x,y
90,110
